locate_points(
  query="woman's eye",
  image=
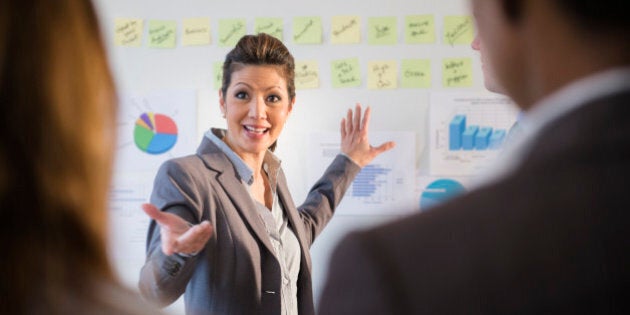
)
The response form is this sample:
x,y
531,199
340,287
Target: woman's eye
x,y
273,98
241,95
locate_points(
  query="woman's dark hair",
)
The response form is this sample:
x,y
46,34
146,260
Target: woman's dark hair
x,y
263,50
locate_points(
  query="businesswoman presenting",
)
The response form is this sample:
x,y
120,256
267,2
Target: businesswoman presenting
x,y
225,229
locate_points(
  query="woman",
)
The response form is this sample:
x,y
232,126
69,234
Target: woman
x,y
57,102
257,260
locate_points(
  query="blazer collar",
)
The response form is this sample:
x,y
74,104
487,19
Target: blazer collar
x,y
227,177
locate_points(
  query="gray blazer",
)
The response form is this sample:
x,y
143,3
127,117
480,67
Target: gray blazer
x,y
237,272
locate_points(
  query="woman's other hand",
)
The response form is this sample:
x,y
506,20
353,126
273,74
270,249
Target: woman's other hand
x,y
179,236
354,137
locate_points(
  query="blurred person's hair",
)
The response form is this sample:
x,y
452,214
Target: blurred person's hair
x,y
56,144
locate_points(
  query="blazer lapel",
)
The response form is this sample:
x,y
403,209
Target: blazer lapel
x,y
216,160
294,217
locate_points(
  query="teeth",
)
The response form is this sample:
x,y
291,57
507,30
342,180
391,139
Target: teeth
x,y
255,130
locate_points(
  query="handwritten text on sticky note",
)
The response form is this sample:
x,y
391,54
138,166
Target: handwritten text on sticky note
x,y
306,74
230,31
345,73
346,30
419,29
162,34
458,30
415,73
382,75
196,31
382,31
457,72
307,30
128,32
217,74
271,26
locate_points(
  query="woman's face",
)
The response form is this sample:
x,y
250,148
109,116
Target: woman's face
x,y
256,106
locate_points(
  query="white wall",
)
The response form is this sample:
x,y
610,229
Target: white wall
x,y
146,69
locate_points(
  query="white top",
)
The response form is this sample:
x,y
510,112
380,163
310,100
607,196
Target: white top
x,y
550,108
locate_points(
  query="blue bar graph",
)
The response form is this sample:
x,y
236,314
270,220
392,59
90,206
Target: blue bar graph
x,y
366,183
456,129
468,138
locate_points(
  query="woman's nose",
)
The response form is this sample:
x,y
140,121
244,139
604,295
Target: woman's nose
x,y
257,108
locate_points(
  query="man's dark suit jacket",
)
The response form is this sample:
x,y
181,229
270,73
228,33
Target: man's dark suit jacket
x,y
553,237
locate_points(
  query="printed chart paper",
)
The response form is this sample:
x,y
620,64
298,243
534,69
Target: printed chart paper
x,y
384,187
466,131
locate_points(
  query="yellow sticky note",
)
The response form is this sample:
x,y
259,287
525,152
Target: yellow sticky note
x,y
128,32
382,75
346,30
306,74
415,73
271,26
230,31
307,30
458,30
419,29
345,73
382,31
457,72
217,74
162,34
196,31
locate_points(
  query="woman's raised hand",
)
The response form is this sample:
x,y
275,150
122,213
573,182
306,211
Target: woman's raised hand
x,y
354,137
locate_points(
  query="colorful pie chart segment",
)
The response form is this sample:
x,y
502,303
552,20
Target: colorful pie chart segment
x,y
440,191
155,133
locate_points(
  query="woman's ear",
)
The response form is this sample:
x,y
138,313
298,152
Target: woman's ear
x,y
291,104
222,103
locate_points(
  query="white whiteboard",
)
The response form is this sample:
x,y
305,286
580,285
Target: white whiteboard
x,y
146,70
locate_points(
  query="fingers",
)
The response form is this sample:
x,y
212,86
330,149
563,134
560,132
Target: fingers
x,y
357,117
343,128
384,147
166,220
349,122
194,239
366,120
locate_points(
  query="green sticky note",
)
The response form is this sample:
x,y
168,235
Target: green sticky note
x,y
458,30
231,31
128,32
382,75
382,31
415,73
218,74
307,30
196,31
457,72
306,74
346,30
419,29
271,26
162,34
345,73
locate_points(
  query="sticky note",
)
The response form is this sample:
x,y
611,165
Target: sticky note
x,y
217,74
162,34
419,29
382,75
230,31
345,30
415,73
271,26
307,30
306,74
456,72
196,31
345,73
128,32
458,30
382,31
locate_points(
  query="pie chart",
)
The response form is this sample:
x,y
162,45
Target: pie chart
x,y
440,191
155,133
